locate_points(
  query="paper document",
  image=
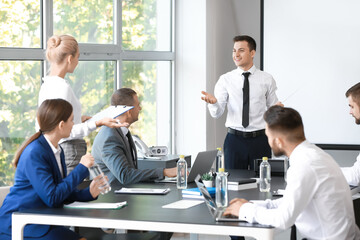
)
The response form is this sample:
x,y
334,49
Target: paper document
x,y
143,191
183,204
110,112
89,205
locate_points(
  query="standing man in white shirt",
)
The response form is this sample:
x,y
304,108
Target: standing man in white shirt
x,y
247,92
317,197
352,174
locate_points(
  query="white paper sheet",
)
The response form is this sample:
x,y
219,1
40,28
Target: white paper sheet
x,y
89,205
183,204
143,191
110,112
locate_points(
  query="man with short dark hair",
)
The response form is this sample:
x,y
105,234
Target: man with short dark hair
x,y
317,198
114,150
246,92
352,174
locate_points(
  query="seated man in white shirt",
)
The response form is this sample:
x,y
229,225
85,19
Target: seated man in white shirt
x,y
352,174
317,197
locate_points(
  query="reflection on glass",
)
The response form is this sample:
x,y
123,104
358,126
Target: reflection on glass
x,y
89,21
19,87
20,24
93,84
152,82
146,25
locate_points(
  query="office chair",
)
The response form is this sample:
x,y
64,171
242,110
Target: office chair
x,y
356,203
3,192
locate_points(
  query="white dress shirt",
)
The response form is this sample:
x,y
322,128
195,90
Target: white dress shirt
x,y
317,199
352,174
57,87
228,92
56,152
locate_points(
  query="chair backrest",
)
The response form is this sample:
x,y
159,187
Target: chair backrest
x,y
3,192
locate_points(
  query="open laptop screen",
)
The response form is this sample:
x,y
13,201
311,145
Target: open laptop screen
x,y
207,197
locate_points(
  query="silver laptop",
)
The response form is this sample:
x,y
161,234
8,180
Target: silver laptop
x,y
202,164
217,213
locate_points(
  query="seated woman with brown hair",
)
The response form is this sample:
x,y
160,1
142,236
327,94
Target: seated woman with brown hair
x,y
41,178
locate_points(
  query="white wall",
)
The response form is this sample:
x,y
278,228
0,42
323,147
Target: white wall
x,y
204,32
190,75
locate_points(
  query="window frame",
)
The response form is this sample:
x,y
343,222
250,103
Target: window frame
x,y
100,52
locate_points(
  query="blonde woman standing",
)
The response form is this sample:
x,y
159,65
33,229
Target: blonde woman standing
x,y
63,55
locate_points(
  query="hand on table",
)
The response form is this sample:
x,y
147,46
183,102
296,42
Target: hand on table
x,y
234,207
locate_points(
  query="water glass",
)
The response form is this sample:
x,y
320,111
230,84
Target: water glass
x,y
96,171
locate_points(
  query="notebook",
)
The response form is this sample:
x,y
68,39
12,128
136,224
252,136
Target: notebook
x,y
202,164
217,213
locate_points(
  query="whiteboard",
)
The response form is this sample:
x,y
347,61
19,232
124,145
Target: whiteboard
x,y
312,49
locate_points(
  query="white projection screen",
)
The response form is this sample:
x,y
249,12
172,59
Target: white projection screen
x,y
312,49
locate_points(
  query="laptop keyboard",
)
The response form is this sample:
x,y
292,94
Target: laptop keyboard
x,y
170,178
230,216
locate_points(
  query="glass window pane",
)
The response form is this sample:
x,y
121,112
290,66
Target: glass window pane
x,y
89,21
146,25
152,82
19,88
20,24
93,83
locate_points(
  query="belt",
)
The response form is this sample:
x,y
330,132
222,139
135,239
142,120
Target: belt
x,y
247,134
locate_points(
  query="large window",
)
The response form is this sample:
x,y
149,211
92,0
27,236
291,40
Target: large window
x,y
89,21
122,43
20,24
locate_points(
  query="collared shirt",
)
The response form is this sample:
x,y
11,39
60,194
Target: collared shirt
x,y
317,199
228,92
125,131
57,87
352,174
56,152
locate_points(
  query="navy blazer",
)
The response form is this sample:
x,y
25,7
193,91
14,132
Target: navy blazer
x,y
111,152
38,183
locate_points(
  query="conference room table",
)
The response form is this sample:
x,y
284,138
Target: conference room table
x,y
145,212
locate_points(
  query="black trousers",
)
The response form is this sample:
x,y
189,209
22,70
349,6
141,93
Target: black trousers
x,y
240,152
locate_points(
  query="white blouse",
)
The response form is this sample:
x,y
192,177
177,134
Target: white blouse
x,y
57,87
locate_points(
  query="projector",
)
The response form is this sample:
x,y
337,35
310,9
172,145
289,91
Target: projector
x,y
156,151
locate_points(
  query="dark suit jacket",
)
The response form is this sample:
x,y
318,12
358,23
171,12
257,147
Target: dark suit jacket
x,y
38,183
111,151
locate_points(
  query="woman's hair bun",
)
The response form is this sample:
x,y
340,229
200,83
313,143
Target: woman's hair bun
x,y
54,41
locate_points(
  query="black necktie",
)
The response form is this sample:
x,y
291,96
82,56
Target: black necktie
x,y
132,148
246,101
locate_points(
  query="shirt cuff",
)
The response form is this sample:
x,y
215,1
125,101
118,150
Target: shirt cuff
x,y
91,125
260,203
214,106
247,212
213,109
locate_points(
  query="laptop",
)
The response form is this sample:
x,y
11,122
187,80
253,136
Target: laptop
x,y
217,213
202,164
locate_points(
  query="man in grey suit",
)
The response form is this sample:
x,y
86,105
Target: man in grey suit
x,y
114,150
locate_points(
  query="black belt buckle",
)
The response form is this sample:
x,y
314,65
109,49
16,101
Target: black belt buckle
x,y
249,134
246,134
